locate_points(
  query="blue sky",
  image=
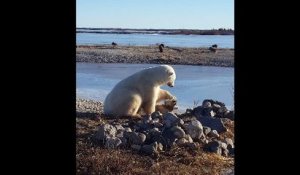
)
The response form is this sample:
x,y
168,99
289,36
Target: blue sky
x,y
155,14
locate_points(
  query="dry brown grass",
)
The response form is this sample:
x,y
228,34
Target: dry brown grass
x,y
92,158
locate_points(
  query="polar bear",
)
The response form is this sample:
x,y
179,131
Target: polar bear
x,y
140,91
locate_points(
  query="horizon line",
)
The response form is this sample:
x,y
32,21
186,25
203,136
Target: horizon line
x,y
154,28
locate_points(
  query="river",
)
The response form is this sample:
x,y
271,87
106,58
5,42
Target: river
x,y
192,85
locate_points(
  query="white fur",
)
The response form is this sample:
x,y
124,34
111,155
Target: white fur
x,y
140,91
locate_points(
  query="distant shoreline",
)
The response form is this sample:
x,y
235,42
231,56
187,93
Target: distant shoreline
x,y
150,55
221,31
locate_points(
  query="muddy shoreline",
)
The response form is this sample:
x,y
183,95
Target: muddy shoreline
x,y
223,57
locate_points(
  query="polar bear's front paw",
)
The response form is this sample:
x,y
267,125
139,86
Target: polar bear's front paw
x,y
170,103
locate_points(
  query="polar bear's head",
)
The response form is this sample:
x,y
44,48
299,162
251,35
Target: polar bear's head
x,y
167,75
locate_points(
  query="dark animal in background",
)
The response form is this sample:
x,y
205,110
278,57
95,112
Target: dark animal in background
x,y
114,44
161,46
216,46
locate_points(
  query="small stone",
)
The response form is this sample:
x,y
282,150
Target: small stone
x,y
189,111
231,151
181,141
206,104
127,129
136,147
119,127
150,149
213,133
113,142
188,138
216,106
120,133
160,147
223,145
193,146
142,137
156,115
229,143
229,115
225,152
135,138
124,141
212,113
213,146
147,119
158,125
206,130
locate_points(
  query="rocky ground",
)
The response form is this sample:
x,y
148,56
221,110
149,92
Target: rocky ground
x,y
199,141
151,54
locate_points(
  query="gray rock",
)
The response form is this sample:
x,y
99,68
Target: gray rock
x,y
213,133
225,152
189,111
216,106
119,127
206,130
141,125
212,122
142,137
127,129
171,134
160,147
181,142
150,149
231,151
120,133
188,138
156,115
223,145
213,102
105,131
158,125
194,145
136,147
178,132
204,141
214,146
206,104
113,142
194,129
170,119
124,141
228,171
229,143
135,138
147,119
154,135
154,132
229,115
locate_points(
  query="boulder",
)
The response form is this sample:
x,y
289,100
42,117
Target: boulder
x,y
105,131
194,129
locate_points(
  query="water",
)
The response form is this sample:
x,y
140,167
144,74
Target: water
x,y
223,41
192,85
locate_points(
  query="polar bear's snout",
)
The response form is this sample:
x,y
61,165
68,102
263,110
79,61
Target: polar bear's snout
x,y
171,84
